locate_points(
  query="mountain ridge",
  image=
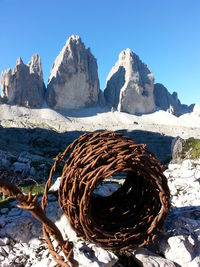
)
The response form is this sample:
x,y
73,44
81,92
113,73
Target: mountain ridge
x,y
73,83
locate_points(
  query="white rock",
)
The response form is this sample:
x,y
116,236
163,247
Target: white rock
x,y
173,166
197,174
1,258
187,164
5,240
146,258
90,255
7,249
56,185
194,263
181,250
63,224
35,242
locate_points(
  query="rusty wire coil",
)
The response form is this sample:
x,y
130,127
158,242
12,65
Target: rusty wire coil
x,y
131,217
134,214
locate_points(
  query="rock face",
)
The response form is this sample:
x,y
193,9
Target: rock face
x,y
25,86
169,102
129,85
177,148
73,81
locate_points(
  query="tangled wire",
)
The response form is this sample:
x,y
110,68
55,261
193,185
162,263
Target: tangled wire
x,y
131,217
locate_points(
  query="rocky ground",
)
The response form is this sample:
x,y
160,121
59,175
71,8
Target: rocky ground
x,y
45,132
22,243
30,140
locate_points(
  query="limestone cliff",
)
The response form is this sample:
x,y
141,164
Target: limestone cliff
x,y
73,81
129,85
25,86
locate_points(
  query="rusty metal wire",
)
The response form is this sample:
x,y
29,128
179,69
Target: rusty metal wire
x,y
131,217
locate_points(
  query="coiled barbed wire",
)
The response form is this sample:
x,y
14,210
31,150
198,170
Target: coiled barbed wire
x,y
131,217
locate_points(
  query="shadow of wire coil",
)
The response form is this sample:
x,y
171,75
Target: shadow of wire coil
x,y
133,215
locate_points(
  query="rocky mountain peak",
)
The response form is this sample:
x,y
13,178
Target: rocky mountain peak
x,y
125,54
35,65
74,39
129,85
25,86
72,44
20,66
131,60
169,102
19,61
73,74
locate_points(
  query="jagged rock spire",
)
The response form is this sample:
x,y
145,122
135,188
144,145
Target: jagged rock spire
x,y
73,81
129,85
25,86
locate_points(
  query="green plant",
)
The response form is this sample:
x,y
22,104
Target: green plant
x,y
191,149
37,189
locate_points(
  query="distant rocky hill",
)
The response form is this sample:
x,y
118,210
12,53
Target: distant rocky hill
x,y
73,84
169,102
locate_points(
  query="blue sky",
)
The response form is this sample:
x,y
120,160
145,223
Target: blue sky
x,y
164,33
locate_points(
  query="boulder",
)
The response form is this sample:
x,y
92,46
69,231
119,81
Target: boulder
x,y
73,81
129,85
25,86
177,148
169,102
146,258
